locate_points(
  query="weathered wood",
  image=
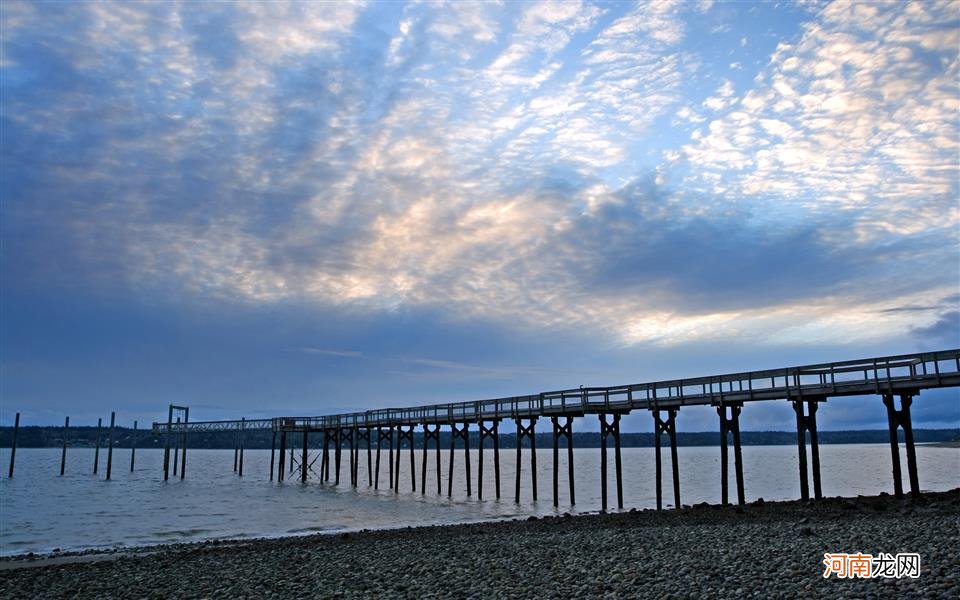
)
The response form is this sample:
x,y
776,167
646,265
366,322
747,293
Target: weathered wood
x,y
243,422
113,422
428,435
611,429
166,446
808,423
96,451
283,454
730,425
133,447
273,451
13,445
183,451
303,459
528,432
176,450
63,455
897,419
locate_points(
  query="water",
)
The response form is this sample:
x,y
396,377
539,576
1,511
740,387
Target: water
x,y
40,511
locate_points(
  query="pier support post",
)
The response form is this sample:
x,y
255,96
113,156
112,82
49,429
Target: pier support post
x,y
13,445
183,450
666,425
369,457
113,422
63,454
384,435
405,435
351,439
133,446
489,432
430,434
96,451
273,451
808,423
610,429
283,455
166,445
730,425
176,450
243,427
565,431
461,433
528,432
325,457
896,419
303,457
236,448
337,454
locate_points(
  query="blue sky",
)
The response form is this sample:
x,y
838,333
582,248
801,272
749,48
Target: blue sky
x,y
260,209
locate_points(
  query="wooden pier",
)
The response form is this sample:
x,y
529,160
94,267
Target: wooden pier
x,y
893,378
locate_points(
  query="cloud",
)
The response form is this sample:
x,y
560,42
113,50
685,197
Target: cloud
x,y
487,169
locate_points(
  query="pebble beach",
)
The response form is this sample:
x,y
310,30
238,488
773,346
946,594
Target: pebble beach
x,y
760,550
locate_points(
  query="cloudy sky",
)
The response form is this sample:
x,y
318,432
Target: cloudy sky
x,y
260,209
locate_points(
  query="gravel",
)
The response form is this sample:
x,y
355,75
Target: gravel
x,y
762,550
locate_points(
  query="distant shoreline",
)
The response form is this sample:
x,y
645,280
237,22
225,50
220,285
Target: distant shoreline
x,y
769,549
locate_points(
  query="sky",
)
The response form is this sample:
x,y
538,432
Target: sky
x,y
264,209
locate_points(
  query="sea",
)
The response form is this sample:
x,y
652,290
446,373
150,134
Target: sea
x,y
41,512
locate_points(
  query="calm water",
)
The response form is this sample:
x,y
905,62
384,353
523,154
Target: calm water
x,y
40,511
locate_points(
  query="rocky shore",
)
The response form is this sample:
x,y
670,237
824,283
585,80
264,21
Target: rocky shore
x,y
762,550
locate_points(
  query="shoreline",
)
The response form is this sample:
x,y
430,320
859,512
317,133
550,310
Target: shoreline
x,y
582,551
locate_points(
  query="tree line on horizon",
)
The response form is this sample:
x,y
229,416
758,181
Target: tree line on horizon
x,y
45,436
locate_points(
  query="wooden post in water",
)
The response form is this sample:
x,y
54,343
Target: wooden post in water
x,y
807,423
283,454
96,452
896,419
236,449
273,451
113,422
566,431
669,426
610,429
176,449
303,459
730,425
243,425
432,434
528,432
183,450
133,446
166,446
369,458
63,454
13,445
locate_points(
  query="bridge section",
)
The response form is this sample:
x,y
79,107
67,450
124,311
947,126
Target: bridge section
x,y
902,376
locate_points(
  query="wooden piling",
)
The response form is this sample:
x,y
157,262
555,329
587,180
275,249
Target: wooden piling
x,y
183,449
430,434
369,457
405,435
666,425
166,445
303,459
96,452
133,446
113,421
896,419
283,454
273,450
611,429
63,454
529,432
176,450
243,424
490,431
13,445
807,423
